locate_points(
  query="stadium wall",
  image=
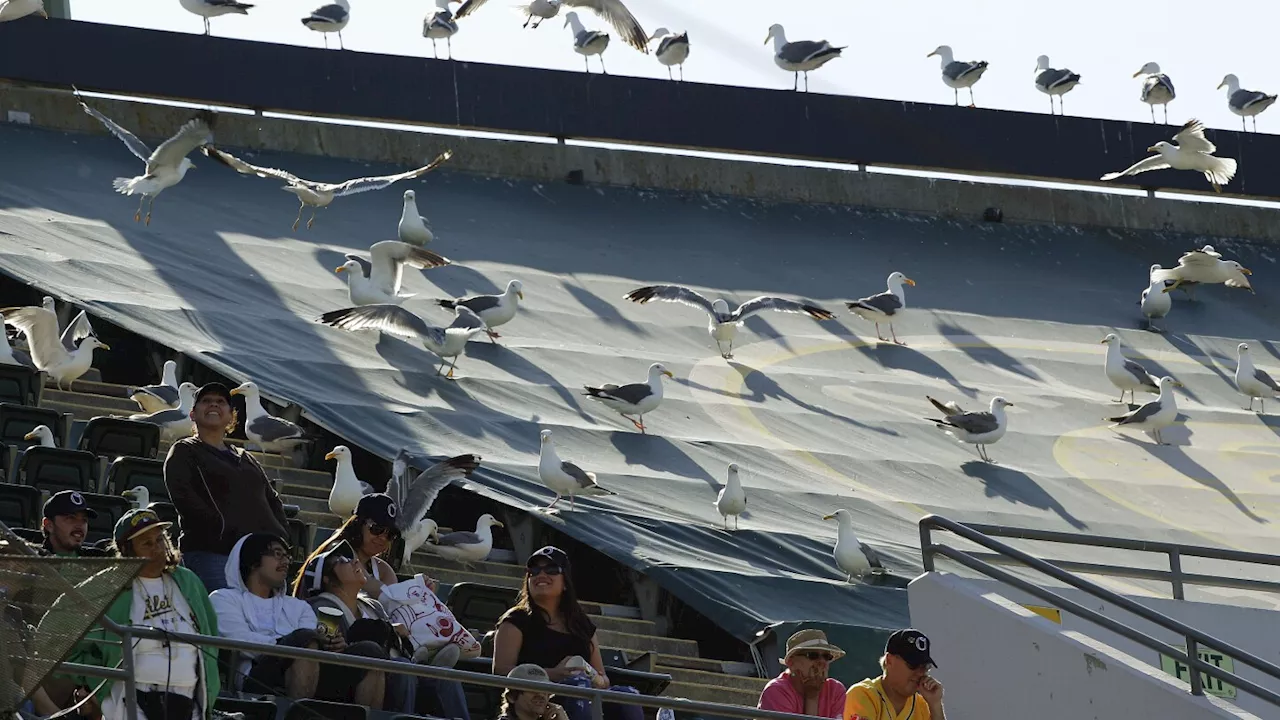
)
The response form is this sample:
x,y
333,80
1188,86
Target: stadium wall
x,y
57,110
996,659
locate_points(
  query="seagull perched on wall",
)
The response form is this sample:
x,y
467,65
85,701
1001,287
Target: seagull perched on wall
x,y
329,18
1054,81
611,11
587,42
494,310
800,56
1193,152
47,351
213,8
1245,103
440,25
377,280
976,428
672,49
166,166
317,194
564,478
15,9
414,497
1253,382
959,74
447,342
1157,89
633,398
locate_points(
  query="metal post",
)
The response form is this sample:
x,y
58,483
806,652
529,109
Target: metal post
x,y
1175,573
130,683
597,707
1197,684
926,546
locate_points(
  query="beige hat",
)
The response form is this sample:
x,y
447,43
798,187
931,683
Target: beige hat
x,y
811,641
529,671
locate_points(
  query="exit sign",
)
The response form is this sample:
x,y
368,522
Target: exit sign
x,y
1211,686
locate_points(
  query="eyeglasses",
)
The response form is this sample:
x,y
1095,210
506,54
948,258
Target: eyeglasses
x,y
380,530
277,553
816,656
549,570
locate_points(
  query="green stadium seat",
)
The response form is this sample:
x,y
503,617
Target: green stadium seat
x,y
112,437
20,506
479,606
126,473
18,420
20,385
57,469
110,508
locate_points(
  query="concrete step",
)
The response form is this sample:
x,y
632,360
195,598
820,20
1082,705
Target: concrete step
x,y
307,504
702,677
108,403
453,577
93,387
484,567
628,626
299,490
712,693
81,412
697,663
664,645
617,611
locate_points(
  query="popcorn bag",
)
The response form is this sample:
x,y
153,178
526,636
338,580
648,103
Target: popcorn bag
x,y
430,622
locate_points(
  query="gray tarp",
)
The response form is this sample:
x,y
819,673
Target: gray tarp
x,y
817,414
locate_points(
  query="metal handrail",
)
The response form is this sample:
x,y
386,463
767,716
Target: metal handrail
x,y
1194,637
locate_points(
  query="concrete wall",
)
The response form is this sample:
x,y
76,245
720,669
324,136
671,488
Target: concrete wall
x,y
998,660
552,163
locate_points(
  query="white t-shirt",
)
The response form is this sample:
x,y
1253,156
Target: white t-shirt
x,y
158,603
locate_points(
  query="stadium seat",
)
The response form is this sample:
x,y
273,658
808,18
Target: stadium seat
x,y
112,437
35,537
311,709
647,683
251,709
168,513
479,606
56,469
20,506
482,701
291,510
126,473
110,508
300,538
20,385
18,420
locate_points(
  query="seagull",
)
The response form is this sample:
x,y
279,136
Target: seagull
x,y
852,556
1157,89
175,423
414,499
1052,81
885,306
672,50
213,8
957,74
732,499
166,166
494,310
447,342
1155,302
587,42
268,432
76,330
413,228
1124,373
347,488
1204,266
975,428
317,194
378,280
564,478
1251,381
42,434
611,11
154,398
635,398
723,324
15,9
47,351
332,17
1193,152
1245,103
466,547
140,496
1155,415
800,56
10,355
440,26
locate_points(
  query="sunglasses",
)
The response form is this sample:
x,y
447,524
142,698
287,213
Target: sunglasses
x,y
815,656
340,561
380,530
549,570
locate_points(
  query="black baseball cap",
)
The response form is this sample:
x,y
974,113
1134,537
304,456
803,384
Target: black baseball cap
x,y
378,507
550,554
67,502
910,645
215,388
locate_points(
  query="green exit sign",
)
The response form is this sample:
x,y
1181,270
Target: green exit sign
x,y
1212,686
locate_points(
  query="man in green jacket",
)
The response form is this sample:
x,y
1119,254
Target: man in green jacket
x,y
175,681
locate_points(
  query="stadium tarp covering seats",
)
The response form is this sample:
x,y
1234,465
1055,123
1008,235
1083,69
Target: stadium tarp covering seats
x,y
57,469
112,437
126,473
20,385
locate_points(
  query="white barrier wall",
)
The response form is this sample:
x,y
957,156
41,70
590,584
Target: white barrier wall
x,y
1000,661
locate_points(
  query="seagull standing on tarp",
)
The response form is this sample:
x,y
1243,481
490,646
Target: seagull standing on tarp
x,y
166,166
413,227
976,428
1054,81
852,556
611,11
446,342
1204,266
959,74
1251,381
494,310
672,49
440,25
415,497
47,350
800,56
1157,89
466,547
884,307
1124,373
587,42
154,398
15,9
1245,103
213,8
268,432
564,478
1155,302
731,501
1193,152
378,280
635,398
1154,416
330,18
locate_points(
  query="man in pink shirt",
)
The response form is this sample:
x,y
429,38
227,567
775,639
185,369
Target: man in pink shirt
x,y
804,688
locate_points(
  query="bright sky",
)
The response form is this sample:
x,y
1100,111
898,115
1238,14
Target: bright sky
x,y
1106,42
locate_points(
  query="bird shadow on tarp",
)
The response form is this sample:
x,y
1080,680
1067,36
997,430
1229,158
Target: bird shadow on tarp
x,y
512,362
901,357
981,351
658,453
1019,488
1158,371
601,308
1204,356
455,281
1175,456
764,329
762,386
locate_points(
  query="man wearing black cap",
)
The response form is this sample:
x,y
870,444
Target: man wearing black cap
x,y
65,524
904,691
220,491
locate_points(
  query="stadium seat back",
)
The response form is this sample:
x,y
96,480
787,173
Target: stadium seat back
x,y
18,420
300,538
56,469
127,473
20,385
479,606
110,509
313,709
20,506
112,437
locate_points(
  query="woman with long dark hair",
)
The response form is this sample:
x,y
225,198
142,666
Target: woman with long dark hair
x,y
548,628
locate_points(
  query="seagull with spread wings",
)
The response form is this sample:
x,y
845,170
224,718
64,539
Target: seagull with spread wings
x,y
47,350
318,194
166,166
1193,152
724,323
447,342
612,11
377,280
15,9
414,498
1204,266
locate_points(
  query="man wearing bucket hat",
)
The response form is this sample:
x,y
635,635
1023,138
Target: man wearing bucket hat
x,y
804,688
904,689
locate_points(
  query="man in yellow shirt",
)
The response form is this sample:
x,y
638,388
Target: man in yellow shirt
x,y
904,691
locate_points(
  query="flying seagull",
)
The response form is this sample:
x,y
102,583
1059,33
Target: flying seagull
x,y
440,25
1245,103
466,547
564,478
1251,381
959,74
1155,415
329,18
587,42
377,280
154,398
635,398
1124,373
1204,266
1193,152
494,310
852,556
723,324
414,497
612,11
886,306
731,501
800,56
47,351
213,8
15,9
1157,89
1054,81
166,166
975,428
672,49
318,194
447,342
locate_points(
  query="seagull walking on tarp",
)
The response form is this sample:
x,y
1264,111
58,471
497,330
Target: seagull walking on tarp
x,y
672,49
318,194
166,166
413,227
800,56
466,547
611,11
731,501
494,310
884,307
1245,103
1157,89
724,323
633,399
154,398
1154,416
377,280
1204,266
347,488
1155,302
48,352
1054,81
213,8
414,497
959,74
976,428
268,432
329,18
1251,381
1193,152
15,9
564,478
440,25
854,558
587,42
447,342
1124,373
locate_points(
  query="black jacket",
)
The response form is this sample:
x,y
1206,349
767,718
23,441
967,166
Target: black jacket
x,y
220,499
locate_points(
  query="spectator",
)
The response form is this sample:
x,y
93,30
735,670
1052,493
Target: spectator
x,y
904,688
175,681
65,525
548,628
529,704
219,490
804,687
